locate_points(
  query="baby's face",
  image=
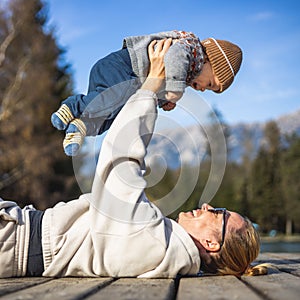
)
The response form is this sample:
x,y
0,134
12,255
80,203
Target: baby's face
x,y
207,80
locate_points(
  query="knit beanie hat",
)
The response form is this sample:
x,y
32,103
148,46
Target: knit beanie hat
x,y
225,59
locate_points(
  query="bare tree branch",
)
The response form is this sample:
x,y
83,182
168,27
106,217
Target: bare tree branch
x,y
10,98
7,41
13,176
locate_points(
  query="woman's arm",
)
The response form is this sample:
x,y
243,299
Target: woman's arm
x,y
118,187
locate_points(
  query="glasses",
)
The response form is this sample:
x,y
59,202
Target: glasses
x,y
220,211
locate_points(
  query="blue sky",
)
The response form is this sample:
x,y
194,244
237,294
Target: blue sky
x,y
268,31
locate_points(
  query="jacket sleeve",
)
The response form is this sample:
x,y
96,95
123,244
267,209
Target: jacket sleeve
x,y
177,61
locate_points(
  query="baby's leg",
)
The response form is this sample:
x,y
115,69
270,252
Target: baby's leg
x,y
93,123
78,129
61,118
74,138
71,108
111,83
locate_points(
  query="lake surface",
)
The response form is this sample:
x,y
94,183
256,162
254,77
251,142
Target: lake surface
x,y
291,247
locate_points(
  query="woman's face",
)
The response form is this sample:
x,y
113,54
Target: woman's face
x,y
207,80
206,227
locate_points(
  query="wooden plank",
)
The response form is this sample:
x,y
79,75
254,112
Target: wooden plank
x,y
9,285
280,283
285,262
137,288
63,288
276,285
214,287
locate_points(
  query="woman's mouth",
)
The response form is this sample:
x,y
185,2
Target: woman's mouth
x,y
196,212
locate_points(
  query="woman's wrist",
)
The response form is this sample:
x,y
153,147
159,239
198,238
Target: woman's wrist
x,y
152,84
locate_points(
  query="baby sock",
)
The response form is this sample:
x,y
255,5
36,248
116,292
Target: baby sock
x,y
61,118
74,138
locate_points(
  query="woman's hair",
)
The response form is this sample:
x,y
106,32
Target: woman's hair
x,y
239,250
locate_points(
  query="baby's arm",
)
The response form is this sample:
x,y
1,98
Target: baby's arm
x,y
177,62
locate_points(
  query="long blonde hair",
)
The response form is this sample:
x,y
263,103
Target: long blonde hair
x,y
239,250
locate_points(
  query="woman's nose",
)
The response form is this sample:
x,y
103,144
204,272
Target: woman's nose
x,y
206,206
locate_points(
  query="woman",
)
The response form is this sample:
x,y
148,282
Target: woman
x,y
114,230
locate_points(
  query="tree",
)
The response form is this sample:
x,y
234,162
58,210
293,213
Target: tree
x,y
266,196
34,78
259,184
290,183
217,134
244,192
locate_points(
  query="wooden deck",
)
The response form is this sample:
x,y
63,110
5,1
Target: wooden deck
x,y
280,283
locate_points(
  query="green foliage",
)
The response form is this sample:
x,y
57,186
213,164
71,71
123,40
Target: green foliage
x,y
266,183
265,187
290,166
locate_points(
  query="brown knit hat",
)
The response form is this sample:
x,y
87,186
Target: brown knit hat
x,y
225,59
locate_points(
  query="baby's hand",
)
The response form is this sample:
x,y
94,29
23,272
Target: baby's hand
x,y
168,106
173,96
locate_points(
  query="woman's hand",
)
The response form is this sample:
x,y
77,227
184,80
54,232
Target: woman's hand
x,y
156,57
156,73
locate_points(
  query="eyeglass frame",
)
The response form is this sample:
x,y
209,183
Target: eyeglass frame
x,y
220,210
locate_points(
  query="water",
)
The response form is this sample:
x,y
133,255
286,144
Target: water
x,y
291,247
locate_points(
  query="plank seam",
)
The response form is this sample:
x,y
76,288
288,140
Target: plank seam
x,y
95,289
255,290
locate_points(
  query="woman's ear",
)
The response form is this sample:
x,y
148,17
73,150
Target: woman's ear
x,y
207,244
210,245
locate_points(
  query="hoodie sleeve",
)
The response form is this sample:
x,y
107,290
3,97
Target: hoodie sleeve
x,y
118,187
10,211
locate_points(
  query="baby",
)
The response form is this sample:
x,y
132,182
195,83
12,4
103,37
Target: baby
x,y
210,64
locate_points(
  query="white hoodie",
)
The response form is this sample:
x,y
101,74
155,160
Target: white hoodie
x,y
115,230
